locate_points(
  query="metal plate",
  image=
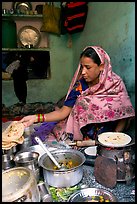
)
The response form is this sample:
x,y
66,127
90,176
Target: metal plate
x,y
84,195
29,36
22,7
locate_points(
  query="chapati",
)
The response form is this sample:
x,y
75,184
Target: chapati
x,y
114,139
12,134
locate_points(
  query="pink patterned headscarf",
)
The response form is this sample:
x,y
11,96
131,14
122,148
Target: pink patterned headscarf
x,y
106,101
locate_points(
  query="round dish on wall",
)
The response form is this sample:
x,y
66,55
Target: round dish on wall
x,y
22,7
29,36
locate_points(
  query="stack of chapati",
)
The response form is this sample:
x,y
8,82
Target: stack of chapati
x,y
12,135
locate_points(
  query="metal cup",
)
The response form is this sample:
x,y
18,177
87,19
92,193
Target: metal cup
x,y
44,192
7,161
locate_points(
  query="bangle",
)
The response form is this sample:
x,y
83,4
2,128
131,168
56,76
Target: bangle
x,y
40,118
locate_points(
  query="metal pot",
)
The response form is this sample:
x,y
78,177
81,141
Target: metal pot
x,y
29,160
19,185
63,177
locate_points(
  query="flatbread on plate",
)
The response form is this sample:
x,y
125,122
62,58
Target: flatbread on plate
x,y
114,139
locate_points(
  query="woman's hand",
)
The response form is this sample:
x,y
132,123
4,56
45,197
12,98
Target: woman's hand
x,y
28,120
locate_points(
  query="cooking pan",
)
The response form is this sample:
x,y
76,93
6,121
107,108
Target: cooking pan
x,y
63,177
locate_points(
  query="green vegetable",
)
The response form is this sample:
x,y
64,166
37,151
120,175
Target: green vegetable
x,y
62,194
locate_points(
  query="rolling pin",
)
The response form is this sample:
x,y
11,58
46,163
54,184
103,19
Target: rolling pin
x,y
83,143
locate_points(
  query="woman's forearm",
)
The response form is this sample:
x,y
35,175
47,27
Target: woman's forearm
x,y
57,115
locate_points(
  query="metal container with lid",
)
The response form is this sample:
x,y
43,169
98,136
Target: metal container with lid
x,y
25,186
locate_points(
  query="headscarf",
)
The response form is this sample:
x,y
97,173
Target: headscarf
x,y
106,101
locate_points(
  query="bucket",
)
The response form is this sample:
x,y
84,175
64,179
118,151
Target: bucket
x,y
9,33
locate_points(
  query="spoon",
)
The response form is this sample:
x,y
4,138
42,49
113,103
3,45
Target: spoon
x,y
39,141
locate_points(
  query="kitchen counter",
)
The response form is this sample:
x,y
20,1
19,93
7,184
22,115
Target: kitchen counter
x,y
122,191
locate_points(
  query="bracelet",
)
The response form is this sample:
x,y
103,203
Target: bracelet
x,y
40,118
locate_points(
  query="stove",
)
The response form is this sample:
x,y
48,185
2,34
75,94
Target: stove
x,y
116,162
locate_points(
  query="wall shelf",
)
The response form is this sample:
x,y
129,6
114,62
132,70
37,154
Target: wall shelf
x,y
22,16
25,49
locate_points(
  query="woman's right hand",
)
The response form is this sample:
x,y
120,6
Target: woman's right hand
x,y
28,120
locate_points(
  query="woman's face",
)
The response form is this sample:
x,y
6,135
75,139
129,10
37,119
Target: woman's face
x,y
90,70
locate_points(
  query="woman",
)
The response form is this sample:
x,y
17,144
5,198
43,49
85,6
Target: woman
x,y
97,101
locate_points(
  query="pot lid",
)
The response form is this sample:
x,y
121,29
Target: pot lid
x,y
114,139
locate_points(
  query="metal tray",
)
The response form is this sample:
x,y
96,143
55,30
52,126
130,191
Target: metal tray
x,y
85,195
29,36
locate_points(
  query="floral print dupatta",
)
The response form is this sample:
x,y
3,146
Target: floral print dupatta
x,y
106,101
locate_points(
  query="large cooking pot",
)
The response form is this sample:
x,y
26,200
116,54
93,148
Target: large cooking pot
x,y
19,185
63,177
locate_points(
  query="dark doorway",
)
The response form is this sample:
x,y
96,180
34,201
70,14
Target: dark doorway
x,y
36,64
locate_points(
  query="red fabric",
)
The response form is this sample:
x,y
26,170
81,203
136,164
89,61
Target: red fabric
x,y
12,119
74,4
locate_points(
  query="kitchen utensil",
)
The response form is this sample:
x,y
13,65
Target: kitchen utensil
x,y
29,36
67,177
38,149
22,7
12,150
7,161
19,185
88,194
39,141
29,160
44,192
91,151
82,143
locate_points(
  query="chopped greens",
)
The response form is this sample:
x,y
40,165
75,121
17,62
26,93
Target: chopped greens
x,y
62,194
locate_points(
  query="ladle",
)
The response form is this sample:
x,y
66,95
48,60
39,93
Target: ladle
x,y
39,141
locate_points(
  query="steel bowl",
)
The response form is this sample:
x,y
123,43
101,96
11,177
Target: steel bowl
x,y
88,194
